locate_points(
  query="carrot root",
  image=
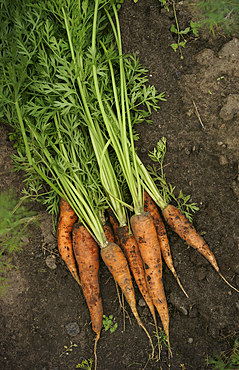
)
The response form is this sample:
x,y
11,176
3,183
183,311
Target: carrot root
x,y
132,253
95,349
116,262
109,232
150,206
87,256
231,286
114,223
147,240
65,224
181,225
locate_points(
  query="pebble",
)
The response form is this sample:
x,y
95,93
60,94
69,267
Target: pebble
x,y
237,305
51,262
231,108
142,302
72,329
190,340
223,160
183,310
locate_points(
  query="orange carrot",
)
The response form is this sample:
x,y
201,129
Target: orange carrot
x,y
114,223
109,232
87,256
150,206
132,253
64,227
116,262
181,225
146,236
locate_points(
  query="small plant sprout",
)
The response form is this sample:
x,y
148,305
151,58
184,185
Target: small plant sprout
x,y
14,221
68,349
85,364
164,3
226,360
162,339
109,323
181,40
167,190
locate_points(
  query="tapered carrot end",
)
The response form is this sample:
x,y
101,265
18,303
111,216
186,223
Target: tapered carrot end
x,y
77,279
146,331
75,276
95,346
231,286
170,354
180,284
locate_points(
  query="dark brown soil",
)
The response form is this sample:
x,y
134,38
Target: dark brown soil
x,y
202,160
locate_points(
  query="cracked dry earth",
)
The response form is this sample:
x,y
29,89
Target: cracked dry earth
x,y
44,310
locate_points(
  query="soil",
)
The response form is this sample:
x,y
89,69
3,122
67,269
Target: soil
x,y
44,311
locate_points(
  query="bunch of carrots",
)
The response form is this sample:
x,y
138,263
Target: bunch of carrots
x,y
74,100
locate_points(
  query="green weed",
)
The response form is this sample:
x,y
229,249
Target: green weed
x,y
226,361
68,349
14,221
109,323
167,190
85,364
220,14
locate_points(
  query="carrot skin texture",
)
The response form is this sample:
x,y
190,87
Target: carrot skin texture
x,y
146,236
116,262
109,232
87,256
181,225
132,253
114,223
150,206
65,224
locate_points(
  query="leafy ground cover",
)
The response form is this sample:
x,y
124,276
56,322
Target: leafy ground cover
x,y
199,120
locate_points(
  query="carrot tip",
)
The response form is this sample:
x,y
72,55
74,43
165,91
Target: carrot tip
x,y
146,331
180,284
95,346
231,286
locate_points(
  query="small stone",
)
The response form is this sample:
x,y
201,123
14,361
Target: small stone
x,y
72,329
142,302
190,340
183,310
223,160
237,305
51,262
187,151
231,108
